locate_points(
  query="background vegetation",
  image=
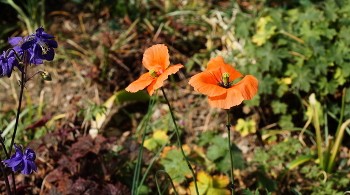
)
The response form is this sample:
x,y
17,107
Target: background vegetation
x,y
295,49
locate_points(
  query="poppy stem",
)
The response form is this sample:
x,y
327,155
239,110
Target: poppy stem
x,y
228,125
179,142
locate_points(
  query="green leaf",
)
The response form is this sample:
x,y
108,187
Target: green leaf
x,y
214,152
285,121
311,14
328,87
205,138
279,107
330,10
344,34
347,97
245,127
307,32
255,101
264,31
247,192
208,185
242,25
265,182
266,84
271,59
282,89
300,160
124,96
319,65
318,48
158,139
175,165
238,161
345,69
303,78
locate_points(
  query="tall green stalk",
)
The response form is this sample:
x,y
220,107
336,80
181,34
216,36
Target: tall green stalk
x,y
179,142
228,125
137,172
336,146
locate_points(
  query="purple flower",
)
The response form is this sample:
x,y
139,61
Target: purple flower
x,y
23,162
18,41
40,46
7,63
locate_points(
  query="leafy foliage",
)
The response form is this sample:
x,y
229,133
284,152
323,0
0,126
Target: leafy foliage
x,y
218,152
208,185
174,164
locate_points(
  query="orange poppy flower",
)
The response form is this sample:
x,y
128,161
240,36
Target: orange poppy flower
x,y
156,60
217,83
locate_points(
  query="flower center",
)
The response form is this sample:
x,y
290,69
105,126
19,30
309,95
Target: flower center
x,y
153,73
225,81
44,48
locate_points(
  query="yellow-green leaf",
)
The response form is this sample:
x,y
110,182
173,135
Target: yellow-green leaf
x,y
245,127
158,139
262,34
208,185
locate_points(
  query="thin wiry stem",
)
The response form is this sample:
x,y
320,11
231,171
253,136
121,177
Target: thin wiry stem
x,y
169,178
22,84
4,172
7,184
179,141
228,125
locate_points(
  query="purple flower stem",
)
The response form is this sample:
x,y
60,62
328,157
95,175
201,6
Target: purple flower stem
x,y
14,51
25,60
4,172
7,184
23,79
33,75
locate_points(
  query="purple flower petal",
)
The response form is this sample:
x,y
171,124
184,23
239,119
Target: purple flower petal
x,y
47,36
50,55
52,43
27,44
15,40
39,31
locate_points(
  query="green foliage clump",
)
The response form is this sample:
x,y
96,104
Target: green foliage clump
x,y
295,51
325,185
218,152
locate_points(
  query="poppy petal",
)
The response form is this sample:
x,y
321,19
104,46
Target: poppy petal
x,y
207,83
140,83
227,100
248,86
159,80
151,88
156,57
218,62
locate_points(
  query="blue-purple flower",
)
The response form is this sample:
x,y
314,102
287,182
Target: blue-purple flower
x,y
7,63
23,162
40,45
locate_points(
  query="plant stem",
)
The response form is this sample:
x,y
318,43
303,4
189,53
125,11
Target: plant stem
x,y
135,182
179,142
228,125
22,84
4,172
7,184
168,177
341,112
336,146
